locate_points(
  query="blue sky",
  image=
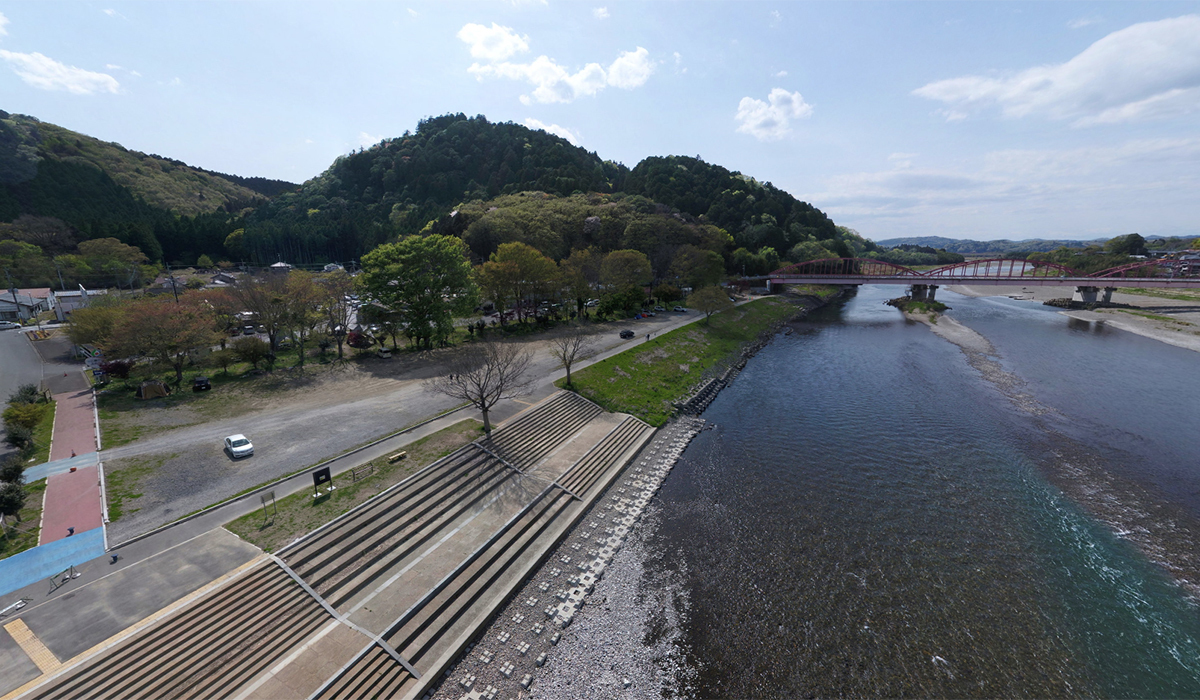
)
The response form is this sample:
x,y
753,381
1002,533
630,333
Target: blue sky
x,y
966,120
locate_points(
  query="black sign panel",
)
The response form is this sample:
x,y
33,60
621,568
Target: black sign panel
x,y
321,476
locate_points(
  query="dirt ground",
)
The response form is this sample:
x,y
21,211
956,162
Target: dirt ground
x,y
295,422
1172,321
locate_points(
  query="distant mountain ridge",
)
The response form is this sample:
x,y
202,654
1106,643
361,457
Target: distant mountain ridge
x,y
999,247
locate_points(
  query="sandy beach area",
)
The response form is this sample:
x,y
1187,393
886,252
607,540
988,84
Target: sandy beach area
x,y
1172,321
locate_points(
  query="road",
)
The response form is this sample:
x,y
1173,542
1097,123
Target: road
x,y
19,364
187,469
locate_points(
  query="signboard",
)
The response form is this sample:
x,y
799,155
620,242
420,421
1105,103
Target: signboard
x,y
97,373
322,476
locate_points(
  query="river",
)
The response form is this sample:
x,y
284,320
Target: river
x,y
877,513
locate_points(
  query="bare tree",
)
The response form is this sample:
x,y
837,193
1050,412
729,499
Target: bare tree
x,y
485,373
573,345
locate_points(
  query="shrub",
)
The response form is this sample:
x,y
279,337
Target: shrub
x,y
252,350
117,368
24,414
12,471
26,393
19,437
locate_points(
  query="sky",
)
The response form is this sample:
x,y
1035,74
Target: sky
x,y
981,120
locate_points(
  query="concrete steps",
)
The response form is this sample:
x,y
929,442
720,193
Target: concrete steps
x,y
631,432
376,675
436,620
206,650
538,432
343,559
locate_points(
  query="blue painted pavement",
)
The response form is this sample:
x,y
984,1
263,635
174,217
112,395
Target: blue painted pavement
x,y
42,562
59,466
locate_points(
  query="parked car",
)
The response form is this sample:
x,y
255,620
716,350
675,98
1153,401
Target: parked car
x,y
626,334
201,384
8,325
659,308
680,308
238,446
247,330
384,353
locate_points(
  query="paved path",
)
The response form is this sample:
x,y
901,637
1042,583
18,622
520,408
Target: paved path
x,y
74,425
72,498
72,501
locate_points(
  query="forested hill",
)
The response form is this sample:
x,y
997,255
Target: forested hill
x,y
400,184
756,214
59,188
26,142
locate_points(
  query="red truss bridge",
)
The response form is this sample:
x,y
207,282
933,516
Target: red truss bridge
x,y
1162,274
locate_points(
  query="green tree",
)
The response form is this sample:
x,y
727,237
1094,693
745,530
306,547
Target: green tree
x,y
12,500
710,300
1132,244
336,287
252,350
426,280
519,273
696,267
204,262
164,330
623,268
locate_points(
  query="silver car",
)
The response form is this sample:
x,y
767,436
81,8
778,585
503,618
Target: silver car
x,y
238,446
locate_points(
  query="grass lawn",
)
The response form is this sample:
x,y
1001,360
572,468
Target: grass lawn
x,y
125,483
646,380
300,513
21,536
43,432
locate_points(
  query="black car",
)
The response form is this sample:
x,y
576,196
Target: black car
x,y
626,334
201,384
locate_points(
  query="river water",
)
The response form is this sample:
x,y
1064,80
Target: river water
x,y
876,514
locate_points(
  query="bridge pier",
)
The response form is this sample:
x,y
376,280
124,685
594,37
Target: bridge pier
x,y
1090,295
1108,292
923,292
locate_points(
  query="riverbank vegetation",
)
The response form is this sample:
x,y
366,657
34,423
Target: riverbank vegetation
x,y
300,513
21,532
909,305
648,379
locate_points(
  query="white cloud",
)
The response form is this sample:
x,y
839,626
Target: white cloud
x,y
45,73
493,43
1082,22
600,13
365,139
631,69
3,24
1145,71
552,82
776,18
781,74
771,120
553,129
902,160
413,12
